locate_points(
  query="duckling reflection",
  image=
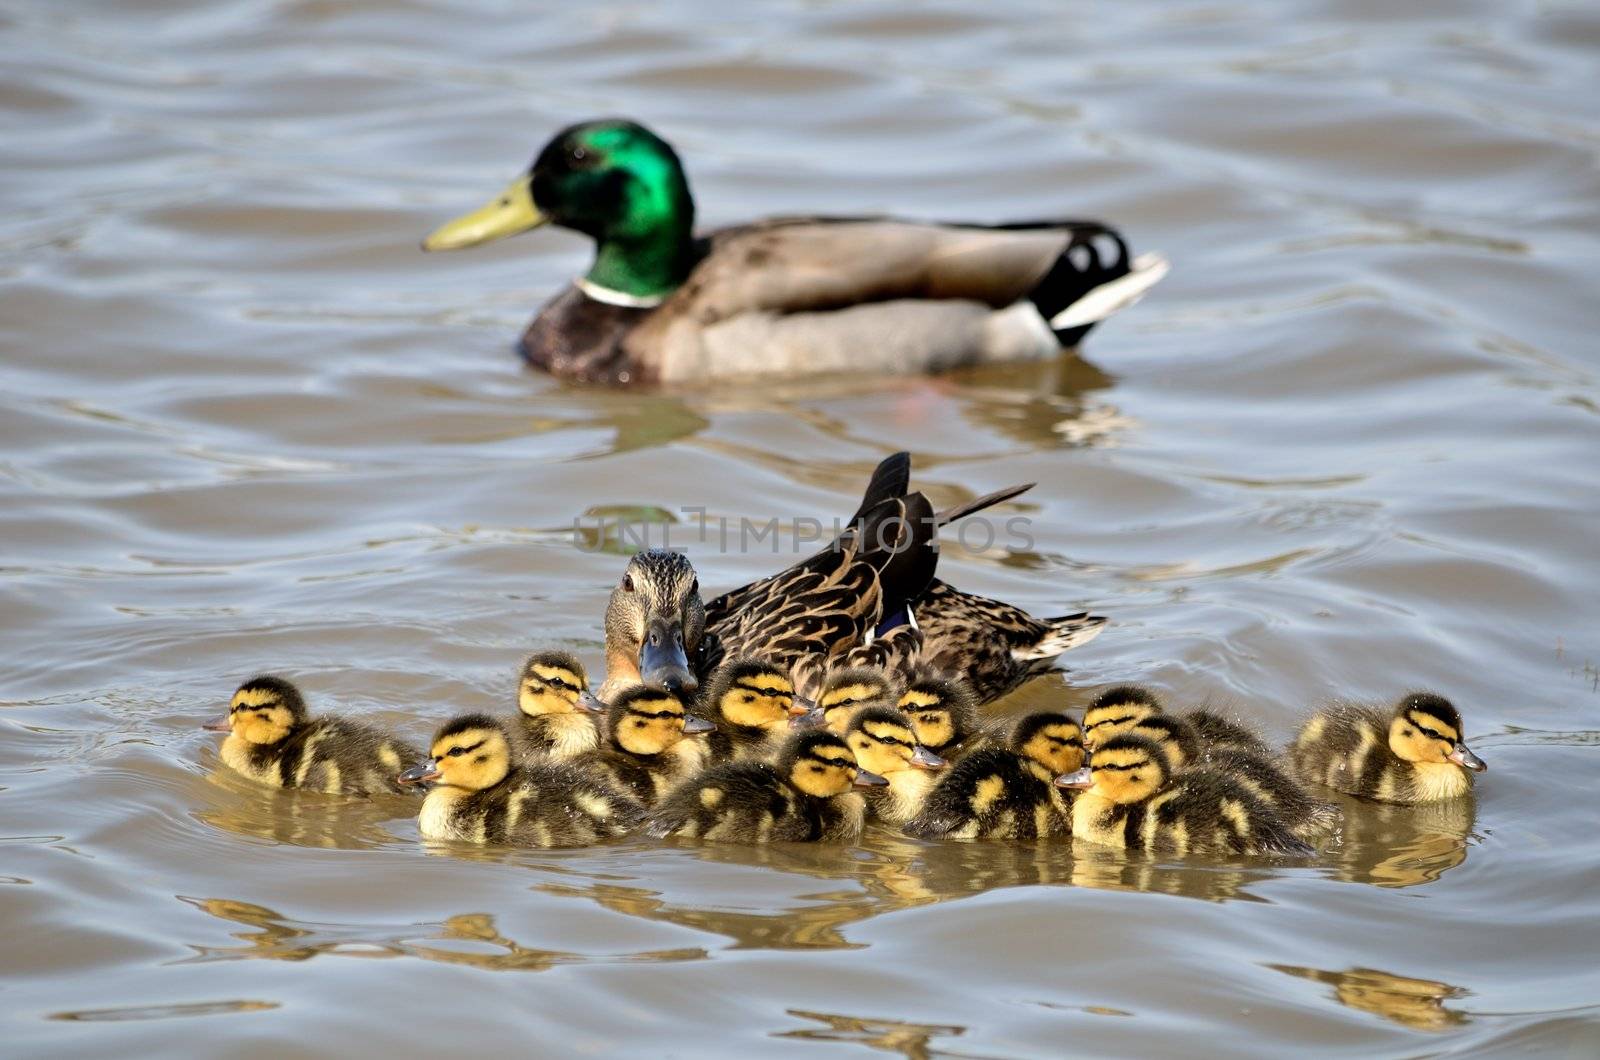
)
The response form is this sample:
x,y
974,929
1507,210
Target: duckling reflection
x,y
1415,1003
281,939
890,1036
301,819
1389,845
1104,869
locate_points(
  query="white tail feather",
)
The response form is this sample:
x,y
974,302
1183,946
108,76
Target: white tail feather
x,y
1063,638
1145,272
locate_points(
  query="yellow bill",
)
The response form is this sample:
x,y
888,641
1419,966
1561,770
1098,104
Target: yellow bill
x,y
512,211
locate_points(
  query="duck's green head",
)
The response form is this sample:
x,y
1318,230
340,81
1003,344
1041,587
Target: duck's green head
x,y
612,180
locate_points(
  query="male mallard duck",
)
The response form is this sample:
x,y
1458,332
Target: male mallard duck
x,y
873,585
810,294
806,795
1129,797
847,692
558,714
942,709
751,702
480,795
1008,792
883,742
273,739
650,744
1415,754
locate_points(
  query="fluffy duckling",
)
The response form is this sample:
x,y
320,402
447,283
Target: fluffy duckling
x,y
1416,754
559,716
1008,792
1129,797
1219,734
273,739
943,710
650,744
751,702
884,743
1135,709
481,795
806,795
849,691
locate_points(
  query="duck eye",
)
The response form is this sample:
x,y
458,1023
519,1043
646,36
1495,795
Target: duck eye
x,y
579,154
627,583
456,752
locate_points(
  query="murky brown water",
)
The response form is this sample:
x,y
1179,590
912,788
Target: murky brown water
x,y
1348,447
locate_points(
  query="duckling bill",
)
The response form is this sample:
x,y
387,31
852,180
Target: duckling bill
x,y
786,297
273,739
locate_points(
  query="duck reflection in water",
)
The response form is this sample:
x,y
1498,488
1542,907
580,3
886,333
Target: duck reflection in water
x,y
477,941
1415,1003
1401,846
891,1036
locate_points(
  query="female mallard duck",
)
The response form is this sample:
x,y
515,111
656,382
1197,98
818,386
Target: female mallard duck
x,y
806,795
480,795
1008,792
650,744
942,710
558,716
811,294
751,702
871,586
273,739
1129,797
1415,754
883,742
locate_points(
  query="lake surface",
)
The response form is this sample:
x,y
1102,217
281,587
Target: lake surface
x,y
1348,448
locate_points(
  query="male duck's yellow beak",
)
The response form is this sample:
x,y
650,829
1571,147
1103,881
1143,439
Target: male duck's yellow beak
x,y
510,212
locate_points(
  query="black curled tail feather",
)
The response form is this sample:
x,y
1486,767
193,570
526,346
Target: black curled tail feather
x,y
1095,254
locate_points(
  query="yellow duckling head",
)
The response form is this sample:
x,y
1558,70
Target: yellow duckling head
x,y
472,752
1116,710
822,765
849,691
1426,730
884,742
1176,738
1126,769
1050,738
643,721
941,709
554,682
654,622
751,693
264,711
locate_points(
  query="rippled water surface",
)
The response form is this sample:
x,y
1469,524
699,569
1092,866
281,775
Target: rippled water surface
x,y
1348,447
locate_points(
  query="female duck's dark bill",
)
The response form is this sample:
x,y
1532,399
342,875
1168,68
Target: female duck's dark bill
x,y
1462,756
421,773
663,663
507,214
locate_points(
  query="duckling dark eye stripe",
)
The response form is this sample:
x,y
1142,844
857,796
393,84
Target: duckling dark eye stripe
x,y
1112,721
1118,769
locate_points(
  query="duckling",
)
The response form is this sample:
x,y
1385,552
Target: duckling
x,y
1415,755
1008,792
1129,797
1134,708
884,743
273,739
942,709
480,795
848,692
650,744
751,702
1219,734
806,795
559,716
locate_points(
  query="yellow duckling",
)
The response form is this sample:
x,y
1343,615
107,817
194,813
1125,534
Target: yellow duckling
x,y
1008,792
806,795
481,796
273,739
942,709
559,716
751,702
1128,797
650,744
1135,709
847,692
1417,754
884,743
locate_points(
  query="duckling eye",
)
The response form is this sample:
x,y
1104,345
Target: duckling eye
x,y
456,752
